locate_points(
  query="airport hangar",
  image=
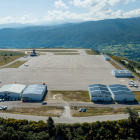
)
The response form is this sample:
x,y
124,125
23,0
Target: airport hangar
x,y
12,90
63,72
117,92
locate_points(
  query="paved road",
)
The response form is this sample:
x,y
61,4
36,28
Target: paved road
x,y
67,119
11,104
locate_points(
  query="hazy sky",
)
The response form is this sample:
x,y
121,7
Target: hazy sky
x,y
47,11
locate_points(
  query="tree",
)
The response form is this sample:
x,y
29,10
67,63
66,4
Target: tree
x,y
50,125
133,114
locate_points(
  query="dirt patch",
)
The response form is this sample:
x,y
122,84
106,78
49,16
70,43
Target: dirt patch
x,y
57,97
52,111
69,95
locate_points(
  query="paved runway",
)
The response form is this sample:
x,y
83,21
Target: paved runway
x,y
63,72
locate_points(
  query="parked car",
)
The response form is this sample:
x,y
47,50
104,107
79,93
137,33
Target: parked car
x,y
3,100
5,107
75,108
44,103
80,109
0,100
84,110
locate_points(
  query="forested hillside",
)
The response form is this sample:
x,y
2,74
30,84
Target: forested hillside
x,y
87,34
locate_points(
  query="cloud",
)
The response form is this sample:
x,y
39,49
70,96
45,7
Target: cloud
x,y
92,3
60,4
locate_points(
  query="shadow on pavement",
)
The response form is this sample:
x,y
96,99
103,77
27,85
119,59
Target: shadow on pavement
x,y
128,103
106,103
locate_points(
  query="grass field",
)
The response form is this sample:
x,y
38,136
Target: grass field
x,y
15,64
66,54
91,52
37,111
9,56
137,95
116,66
134,79
57,50
70,95
7,59
14,53
96,111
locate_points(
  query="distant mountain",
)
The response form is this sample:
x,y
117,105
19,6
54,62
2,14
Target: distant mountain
x,y
86,34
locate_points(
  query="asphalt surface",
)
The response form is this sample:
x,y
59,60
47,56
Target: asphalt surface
x,y
67,119
63,72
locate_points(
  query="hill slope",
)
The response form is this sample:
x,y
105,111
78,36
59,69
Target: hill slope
x,y
86,34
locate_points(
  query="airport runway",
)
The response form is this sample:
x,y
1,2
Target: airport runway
x,y
63,72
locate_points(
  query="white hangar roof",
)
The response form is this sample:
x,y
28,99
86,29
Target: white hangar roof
x,y
16,88
34,89
99,89
121,71
120,89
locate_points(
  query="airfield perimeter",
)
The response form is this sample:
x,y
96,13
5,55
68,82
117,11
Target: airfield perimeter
x,y
63,72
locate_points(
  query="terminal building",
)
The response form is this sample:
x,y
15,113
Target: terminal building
x,y
121,93
34,92
106,57
12,90
99,92
121,73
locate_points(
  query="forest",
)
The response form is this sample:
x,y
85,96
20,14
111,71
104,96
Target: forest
x,y
89,34
12,129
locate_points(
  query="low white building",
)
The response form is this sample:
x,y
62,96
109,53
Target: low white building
x,y
121,93
99,92
121,73
107,58
12,90
34,92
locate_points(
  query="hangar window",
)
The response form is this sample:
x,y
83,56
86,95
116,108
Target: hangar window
x,y
100,96
94,96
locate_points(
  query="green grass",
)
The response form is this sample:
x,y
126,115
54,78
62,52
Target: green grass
x,y
15,64
5,56
91,52
137,95
66,54
14,53
7,59
72,95
58,50
92,111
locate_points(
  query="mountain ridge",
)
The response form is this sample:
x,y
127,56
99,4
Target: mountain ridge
x,y
85,34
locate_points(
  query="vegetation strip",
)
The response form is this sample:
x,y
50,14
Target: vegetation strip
x,y
66,54
57,51
92,52
15,64
116,66
9,56
12,129
52,111
70,95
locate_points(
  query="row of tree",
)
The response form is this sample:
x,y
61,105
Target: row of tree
x,y
11,129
